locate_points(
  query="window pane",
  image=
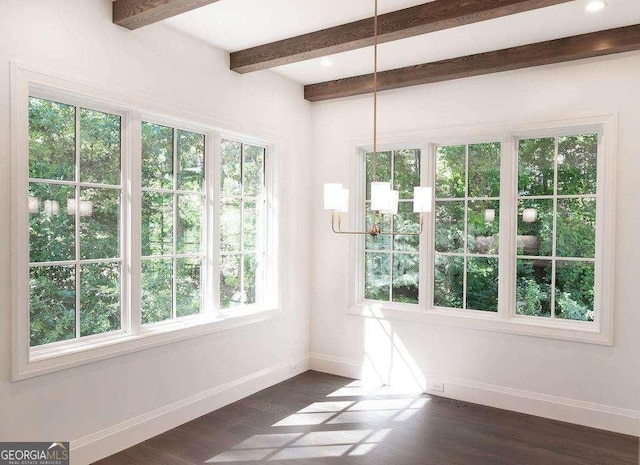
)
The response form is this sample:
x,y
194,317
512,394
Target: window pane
x,y
250,271
230,226
230,280
378,242
157,290
157,224
253,225
484,170
406,278
51,228
52,304
99,147
575,290
230,168
52,140
157,156
576,228
377,276
449,226
536,166
482,284
577,164
535,227
99,223
189,228
406,174
253,171
99,298
190,161
484,227
450,172
189,286
383,169
407,222
533,287
448,281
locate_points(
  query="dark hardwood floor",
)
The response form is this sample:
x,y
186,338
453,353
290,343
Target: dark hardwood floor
x,y
317,418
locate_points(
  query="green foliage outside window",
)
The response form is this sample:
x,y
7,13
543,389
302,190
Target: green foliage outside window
x,y
557,175
242,222
467,226
392,263
172,219
57,210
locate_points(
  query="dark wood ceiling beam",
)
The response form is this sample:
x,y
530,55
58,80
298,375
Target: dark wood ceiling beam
x,y
421,19
624,39
133,14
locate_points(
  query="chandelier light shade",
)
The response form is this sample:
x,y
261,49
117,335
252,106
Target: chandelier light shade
x,y
380,196
422,199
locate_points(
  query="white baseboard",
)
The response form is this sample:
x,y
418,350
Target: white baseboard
x,y
126,434
594,415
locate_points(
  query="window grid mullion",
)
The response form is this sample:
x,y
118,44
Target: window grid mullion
x,y
174,261
95,261
564,196
555,228
466,227
59,182
77,221
391,229
242,186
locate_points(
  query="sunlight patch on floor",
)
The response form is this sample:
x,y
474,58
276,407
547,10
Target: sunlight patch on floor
x,y
299,446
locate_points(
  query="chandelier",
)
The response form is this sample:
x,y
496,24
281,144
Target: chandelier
x,y
384,199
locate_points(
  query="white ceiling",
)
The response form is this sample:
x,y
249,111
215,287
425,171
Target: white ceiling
x,y
234,25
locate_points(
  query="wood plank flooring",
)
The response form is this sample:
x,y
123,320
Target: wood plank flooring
x,y
316,419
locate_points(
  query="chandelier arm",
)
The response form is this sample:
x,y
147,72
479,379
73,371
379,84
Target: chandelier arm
x,y
339,230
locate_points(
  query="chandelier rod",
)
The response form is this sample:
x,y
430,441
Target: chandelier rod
x,y
375,91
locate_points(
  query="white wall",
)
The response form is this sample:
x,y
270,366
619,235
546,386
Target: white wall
x,y
77,38
604,378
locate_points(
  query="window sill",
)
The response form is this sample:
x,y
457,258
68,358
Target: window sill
x,y
574,331
52,358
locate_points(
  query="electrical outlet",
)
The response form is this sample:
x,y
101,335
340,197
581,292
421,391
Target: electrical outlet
x,y
436,386
293,368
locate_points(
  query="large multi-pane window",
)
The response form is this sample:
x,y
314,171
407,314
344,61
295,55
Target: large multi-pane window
x,y
467,192
556,237
242,223
173,197
132,229
392,263
518,234
75,201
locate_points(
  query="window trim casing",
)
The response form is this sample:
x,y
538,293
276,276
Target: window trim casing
x,y
599,332
27,362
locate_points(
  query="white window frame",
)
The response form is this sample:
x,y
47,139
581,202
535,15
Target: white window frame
x,y
268,288
29,362
600,331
